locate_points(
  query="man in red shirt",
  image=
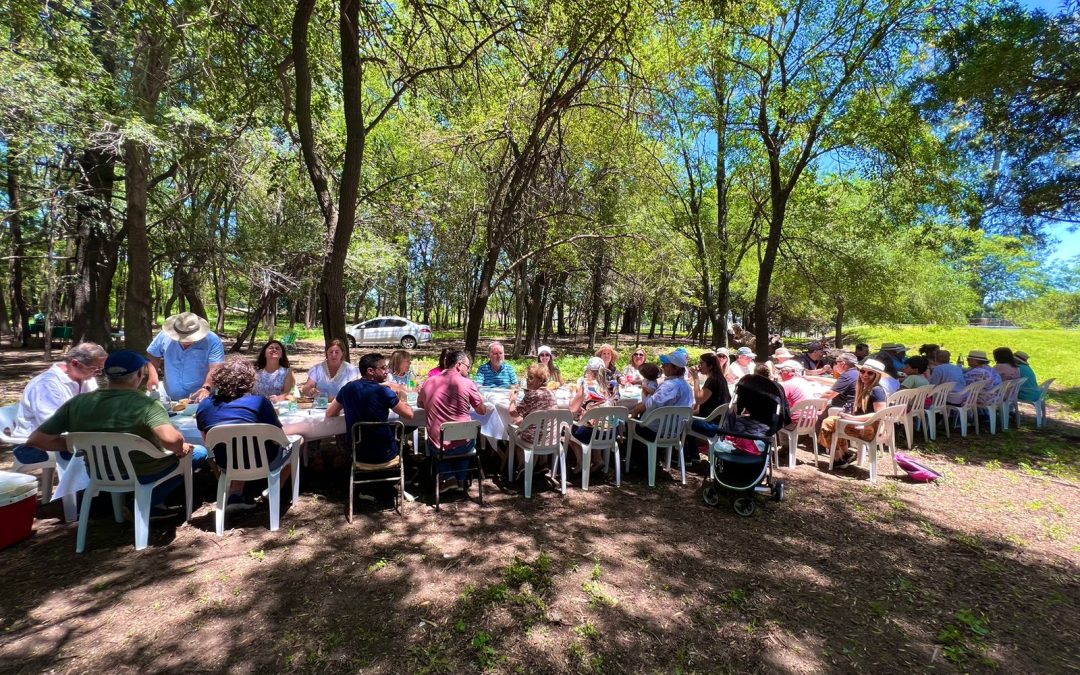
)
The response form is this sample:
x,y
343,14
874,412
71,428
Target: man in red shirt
x,y
450,397
795,387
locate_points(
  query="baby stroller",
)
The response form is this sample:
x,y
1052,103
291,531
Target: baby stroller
x,y
757,411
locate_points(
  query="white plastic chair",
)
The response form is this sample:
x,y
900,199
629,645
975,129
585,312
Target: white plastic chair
x,y
452,432
605,422
396,465
1009,401
672,422
1039,405
884,440
713,417
807,412
109,465
939,401
914,402
992,400
552,436
246,459
967,408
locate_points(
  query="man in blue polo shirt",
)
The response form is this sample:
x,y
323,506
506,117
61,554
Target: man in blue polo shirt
x,y
496,372
369,400
189,352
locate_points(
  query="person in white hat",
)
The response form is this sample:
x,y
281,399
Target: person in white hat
x,y
546,358
189,352
869,398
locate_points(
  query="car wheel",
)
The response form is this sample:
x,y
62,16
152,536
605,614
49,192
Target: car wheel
x,y
352,342
408,342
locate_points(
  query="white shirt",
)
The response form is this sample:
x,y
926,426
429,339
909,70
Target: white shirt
x,y
330,386
43,396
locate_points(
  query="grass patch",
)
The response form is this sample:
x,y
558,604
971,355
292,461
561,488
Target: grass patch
x,y
963,639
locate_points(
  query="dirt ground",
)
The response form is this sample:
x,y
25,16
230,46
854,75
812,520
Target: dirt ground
x,y
977,573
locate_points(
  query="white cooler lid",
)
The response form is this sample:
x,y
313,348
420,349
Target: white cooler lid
x,y
15,487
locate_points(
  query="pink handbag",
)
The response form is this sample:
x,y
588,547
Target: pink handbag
x,y
920,473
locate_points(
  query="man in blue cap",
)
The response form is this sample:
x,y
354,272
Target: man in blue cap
x,y
673,391
123,408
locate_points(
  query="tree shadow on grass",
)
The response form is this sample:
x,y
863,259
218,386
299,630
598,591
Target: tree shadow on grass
x,y
613,580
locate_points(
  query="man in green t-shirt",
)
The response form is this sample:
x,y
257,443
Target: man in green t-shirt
x,y
123,408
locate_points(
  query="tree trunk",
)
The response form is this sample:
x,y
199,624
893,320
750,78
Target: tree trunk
x,y
97,249
21,317
768,262
838,324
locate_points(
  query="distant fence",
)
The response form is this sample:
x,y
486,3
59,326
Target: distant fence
x,y
988,322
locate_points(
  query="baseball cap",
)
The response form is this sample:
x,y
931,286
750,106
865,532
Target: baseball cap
x,y
124,362
814,347
595,363
544,349
675,358
746,351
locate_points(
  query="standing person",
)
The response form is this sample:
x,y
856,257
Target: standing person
x,y
846,372
673,391
609,356
234,401
947,371
1031,391
329,376
186,352
1005,364
870,398
275,378
123,408
546,358
915,373
496,372
630,374
450,398
368,399
743,366
51,389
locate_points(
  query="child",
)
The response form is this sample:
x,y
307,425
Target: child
x,y
650,373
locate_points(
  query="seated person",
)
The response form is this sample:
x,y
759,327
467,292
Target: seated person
x,y
370,400
979,369
946,371
329,376
743,366
813,359
650,379
451,397
546,358
862,351
673,391
537,397
893,355
846,371
496,372
275,377
1005,364
49,390
1031,391
437,370
915,373
124,408
593,391
234,402
609,356
631,374
708,396
869,398
796,387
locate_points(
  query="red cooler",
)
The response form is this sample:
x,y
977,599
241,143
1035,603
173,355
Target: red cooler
x,y
18,506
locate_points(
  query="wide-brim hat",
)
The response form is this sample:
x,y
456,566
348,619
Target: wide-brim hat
x,y
1022,357
979,355
601,348
874,365
791,364
783,353
723,351
186,327
893,347
746,351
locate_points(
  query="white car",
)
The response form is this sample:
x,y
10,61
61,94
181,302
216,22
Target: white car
x,y
389,330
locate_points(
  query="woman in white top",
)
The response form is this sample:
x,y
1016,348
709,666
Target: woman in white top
x,y
332,374
274,378
630,374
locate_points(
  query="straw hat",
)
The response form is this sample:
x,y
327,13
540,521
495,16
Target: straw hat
x,y
186,327
1022,357
783,353
978,355
893,347
601,348
874,365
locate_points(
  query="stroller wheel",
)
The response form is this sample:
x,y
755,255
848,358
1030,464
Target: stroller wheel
x,y
711,495
778,491
744,506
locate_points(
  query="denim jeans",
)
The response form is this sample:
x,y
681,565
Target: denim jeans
x,y
452,468
198,459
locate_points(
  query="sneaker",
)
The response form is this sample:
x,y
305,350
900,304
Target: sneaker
x,y
238,503
164,512
847,460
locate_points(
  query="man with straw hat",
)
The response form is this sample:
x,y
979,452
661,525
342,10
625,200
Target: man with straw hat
x,y
189,353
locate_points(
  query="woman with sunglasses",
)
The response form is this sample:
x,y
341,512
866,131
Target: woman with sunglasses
x,y
630,374
870,397
546,358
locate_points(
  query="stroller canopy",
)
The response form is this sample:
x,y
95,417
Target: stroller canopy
x,y
759,410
